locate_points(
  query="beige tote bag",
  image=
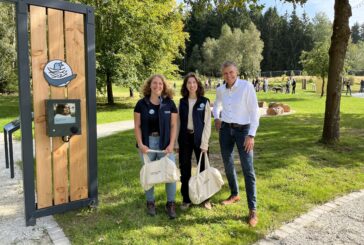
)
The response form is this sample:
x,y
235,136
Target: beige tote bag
x,y
163,170
205,184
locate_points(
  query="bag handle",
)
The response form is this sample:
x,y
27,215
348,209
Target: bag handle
x,y
207,162
155,151
146,158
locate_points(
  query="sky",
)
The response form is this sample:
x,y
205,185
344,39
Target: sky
x,y
314,6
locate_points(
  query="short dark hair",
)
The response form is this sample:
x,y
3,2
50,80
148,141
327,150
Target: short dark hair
x,y
184,91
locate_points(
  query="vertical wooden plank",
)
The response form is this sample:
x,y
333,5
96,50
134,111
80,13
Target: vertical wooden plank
x,y
40,93
60,148
75,56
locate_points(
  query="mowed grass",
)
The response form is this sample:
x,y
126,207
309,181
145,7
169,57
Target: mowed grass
x,y
294,173
9,109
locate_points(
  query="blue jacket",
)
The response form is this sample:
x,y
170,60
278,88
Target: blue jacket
x,y
198,115
165,111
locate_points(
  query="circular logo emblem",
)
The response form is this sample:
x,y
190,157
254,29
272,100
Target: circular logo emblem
x,y
58,73
151,111
202,105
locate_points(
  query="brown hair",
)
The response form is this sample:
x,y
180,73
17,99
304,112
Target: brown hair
x,y
184,91
167,91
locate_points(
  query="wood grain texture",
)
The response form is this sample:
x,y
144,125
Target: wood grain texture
x,y
38,34
59,148
75,57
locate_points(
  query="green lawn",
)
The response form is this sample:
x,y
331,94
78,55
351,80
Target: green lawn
x,y
9,109
294,173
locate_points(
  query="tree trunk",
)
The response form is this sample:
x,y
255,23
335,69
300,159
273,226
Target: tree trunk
x,y
110,96
131,92
323,86
339,43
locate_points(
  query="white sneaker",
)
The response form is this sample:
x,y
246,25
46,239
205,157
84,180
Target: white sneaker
x,y
184,206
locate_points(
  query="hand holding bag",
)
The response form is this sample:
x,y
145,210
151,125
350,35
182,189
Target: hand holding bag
x,y
205,184
163,170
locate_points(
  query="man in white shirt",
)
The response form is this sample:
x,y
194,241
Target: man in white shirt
x,y
236,114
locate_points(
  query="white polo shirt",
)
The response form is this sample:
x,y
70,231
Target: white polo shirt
x,y
237,104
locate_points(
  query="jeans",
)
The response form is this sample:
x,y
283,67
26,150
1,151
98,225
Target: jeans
x,y
170,187
228,138
185,156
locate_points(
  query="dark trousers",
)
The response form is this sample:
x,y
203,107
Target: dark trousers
x,y
293,89
185,164
229,137
348,89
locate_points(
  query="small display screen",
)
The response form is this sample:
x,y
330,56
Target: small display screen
x,y
63,117
64,113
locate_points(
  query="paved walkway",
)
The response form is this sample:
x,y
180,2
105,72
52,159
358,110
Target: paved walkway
x,y
359,95
12,222
338,222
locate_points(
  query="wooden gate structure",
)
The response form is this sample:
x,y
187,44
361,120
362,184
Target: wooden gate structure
x,y
64,174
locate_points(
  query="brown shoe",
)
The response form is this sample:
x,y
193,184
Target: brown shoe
x,y
151,208
171,210
230,200
207,204
253,218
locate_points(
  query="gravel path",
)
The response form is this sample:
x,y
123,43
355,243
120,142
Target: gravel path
x,y
338,222
12,221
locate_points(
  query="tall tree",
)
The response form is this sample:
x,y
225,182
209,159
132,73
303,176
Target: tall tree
x,y
194,63
362,32
251,47
209,54
202,22
244,48
135,39
355,33
339,43
316,62
355,56
8,78
270,27
322,28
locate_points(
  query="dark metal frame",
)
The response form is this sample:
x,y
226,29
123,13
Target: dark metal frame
x,y
9,129
22,6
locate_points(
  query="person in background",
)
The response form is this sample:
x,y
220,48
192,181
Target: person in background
x,y
348,86
237,125
265,85
194,131
257,84
155,127
288,85
293,86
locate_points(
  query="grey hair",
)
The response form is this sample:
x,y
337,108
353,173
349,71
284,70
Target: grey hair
x,y
228,64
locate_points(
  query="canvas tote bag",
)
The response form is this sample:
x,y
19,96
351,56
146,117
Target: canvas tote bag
x,y
205,184
163,170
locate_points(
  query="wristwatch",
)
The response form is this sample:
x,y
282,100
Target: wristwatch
x,y
251,136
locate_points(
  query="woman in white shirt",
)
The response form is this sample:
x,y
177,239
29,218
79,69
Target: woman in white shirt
x,y
194,131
